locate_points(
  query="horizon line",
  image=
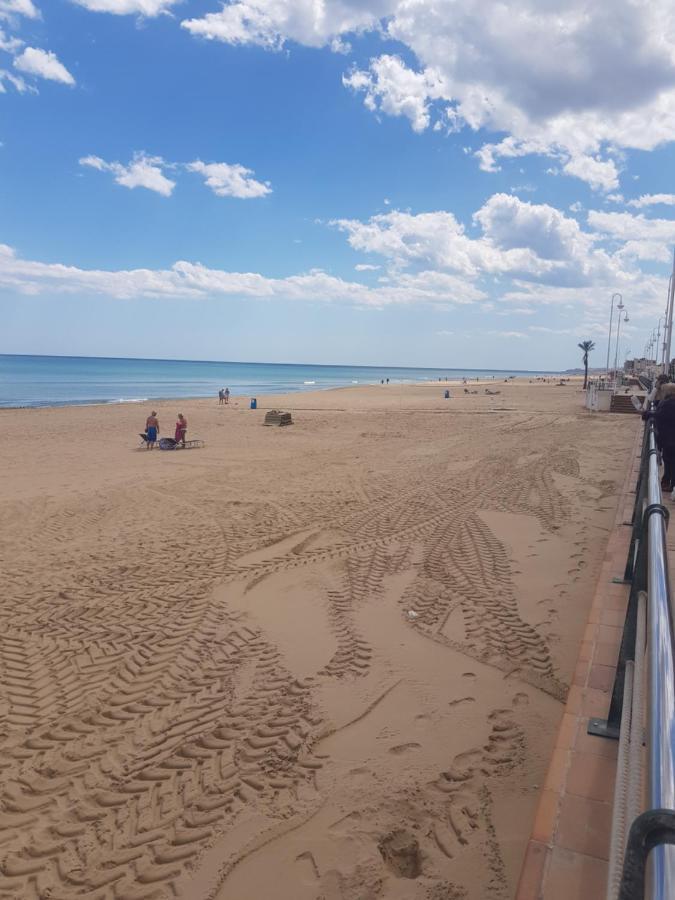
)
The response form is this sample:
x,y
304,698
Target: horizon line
x,y
260,363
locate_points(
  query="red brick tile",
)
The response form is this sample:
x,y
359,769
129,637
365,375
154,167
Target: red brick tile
x,y
575,697
595,702
591,743
584,826
609,634
615,617
601,677
591,776
581,672
606,654
546,817
586,650
532,873
557,770
567,732
575,875
591,633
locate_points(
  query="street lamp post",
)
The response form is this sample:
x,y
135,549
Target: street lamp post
x,y
609,339
618,332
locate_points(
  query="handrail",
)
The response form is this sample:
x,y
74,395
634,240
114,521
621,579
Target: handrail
x,y
643,866
661,681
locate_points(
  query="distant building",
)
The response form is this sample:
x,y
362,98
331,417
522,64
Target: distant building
x,y
636,366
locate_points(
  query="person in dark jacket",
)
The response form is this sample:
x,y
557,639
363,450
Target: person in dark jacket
x,y
664,420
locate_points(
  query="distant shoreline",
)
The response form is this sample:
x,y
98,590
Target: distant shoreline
x,y
450,383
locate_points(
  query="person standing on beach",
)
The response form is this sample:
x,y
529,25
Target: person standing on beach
x,y
181,428
151,430
221,397
226,394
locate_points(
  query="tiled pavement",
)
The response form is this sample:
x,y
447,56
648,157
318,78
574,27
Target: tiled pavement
x,y
566,858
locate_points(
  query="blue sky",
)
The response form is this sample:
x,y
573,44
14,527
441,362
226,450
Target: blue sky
x,y
381,182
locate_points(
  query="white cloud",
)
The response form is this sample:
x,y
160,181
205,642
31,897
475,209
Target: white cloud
x,y
16,81
521,258
445,333
627,226
10,8
270,23
653,200
9,44
227,180
147,8
366,267
600,174
390,86
193,280
570,80
143,171
542,329
525,240
43,64
510,334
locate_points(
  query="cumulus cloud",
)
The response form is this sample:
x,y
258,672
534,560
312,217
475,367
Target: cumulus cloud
x,y
143,171
545,76
43,64
227,180
147,8
193,280
366,267
395,89
600,174
11,8
518,258
525,240
270,23
652,200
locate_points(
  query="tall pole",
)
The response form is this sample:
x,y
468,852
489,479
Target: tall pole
x,y
609,339
668,332
618,332
658,335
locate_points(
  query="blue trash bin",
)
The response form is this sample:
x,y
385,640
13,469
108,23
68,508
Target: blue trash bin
x,y
254,403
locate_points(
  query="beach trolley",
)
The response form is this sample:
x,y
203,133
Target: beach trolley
x,y
167,443
275,417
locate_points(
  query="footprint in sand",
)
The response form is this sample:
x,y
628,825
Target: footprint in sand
x,y
470,676
520,700
461,701
404,748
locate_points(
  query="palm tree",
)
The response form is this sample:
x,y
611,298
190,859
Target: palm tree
x,y
586,346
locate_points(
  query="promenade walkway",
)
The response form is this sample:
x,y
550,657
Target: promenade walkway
x,y
567,855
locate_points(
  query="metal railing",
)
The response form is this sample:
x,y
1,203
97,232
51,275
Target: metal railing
x,y
642,862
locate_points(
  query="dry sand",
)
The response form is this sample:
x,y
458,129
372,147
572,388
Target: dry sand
x,y
324,661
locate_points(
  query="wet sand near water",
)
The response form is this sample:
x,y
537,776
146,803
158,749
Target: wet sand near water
x,y
321,661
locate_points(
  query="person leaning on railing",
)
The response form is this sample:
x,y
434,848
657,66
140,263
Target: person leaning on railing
x,y
664,422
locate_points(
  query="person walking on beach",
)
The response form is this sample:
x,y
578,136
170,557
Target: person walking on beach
x,y
221,397
181,428
226,394
151,430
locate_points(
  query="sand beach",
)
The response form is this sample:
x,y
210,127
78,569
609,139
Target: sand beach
x,y
322,661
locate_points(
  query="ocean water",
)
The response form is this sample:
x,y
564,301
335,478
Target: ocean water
x,y
73,380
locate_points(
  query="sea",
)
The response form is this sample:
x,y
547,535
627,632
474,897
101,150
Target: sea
x,y
35,381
